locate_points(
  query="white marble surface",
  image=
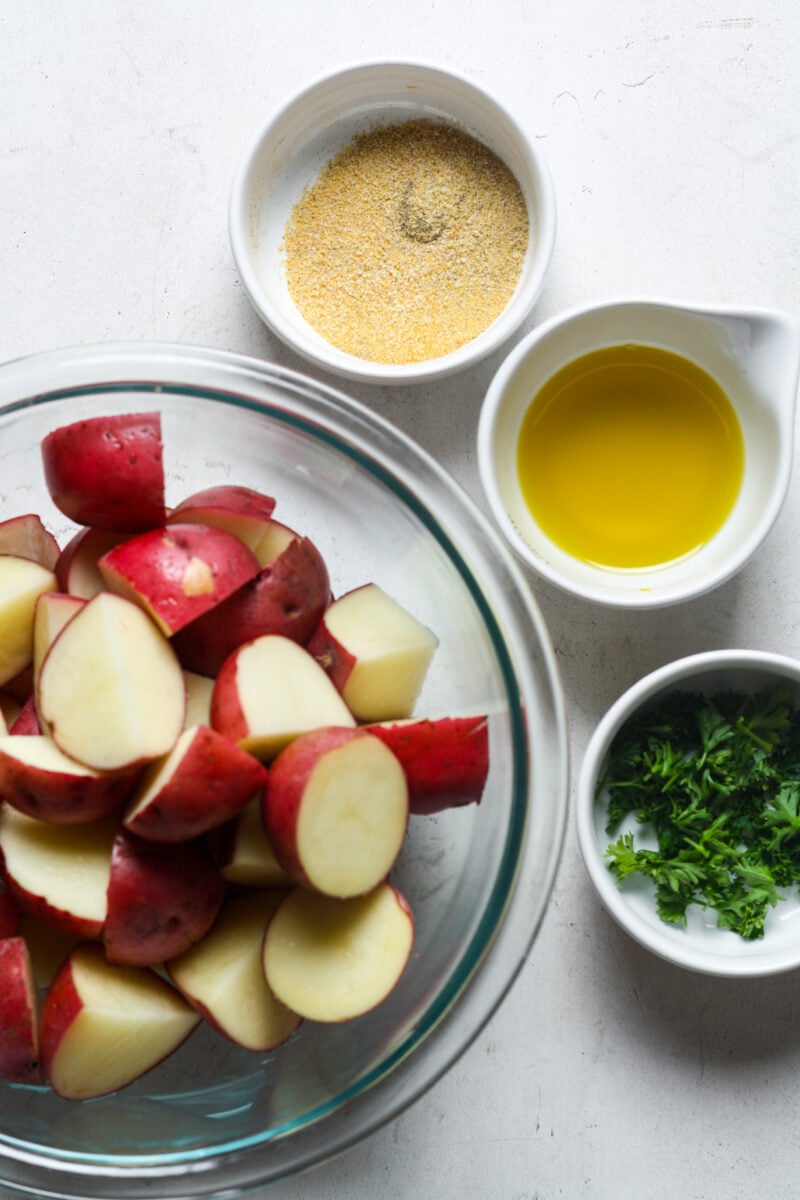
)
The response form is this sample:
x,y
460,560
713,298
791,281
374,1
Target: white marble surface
x,y
672,128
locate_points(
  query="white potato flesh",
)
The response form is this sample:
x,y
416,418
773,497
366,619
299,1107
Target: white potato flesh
x,y
283,692
53,611
111,690
39,751
250,858
332,960
223,974
129,1021
199,689
272,543
391,648
352,819
67,867
22,582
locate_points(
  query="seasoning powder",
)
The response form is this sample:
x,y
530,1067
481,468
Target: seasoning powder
x,y
409,243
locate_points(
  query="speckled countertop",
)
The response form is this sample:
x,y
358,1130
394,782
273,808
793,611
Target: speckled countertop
x,y
672,128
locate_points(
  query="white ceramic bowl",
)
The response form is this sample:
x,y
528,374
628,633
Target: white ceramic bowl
x,y
754,355
700,945
286,155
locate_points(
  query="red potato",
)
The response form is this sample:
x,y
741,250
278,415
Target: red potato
x,y
376,653
335,810
244,853
102,1026
52,612
178,572
274,540
287,597
222,976
446,761
204,781
58,873
241,511
76,567
36,778
269,691
160,899
26,721
19,1014
111,690
26,536
22,581
108,472
199,690
9,915
332,960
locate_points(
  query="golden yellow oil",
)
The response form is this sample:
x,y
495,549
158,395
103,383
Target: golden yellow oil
x,y
630,457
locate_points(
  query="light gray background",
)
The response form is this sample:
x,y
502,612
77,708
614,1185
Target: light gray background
x,y
671,127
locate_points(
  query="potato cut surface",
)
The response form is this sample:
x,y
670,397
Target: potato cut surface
x,y
111,689
66,867
129,1020
330,959
352,820
223,974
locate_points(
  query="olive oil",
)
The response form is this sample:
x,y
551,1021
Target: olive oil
x,y
630,457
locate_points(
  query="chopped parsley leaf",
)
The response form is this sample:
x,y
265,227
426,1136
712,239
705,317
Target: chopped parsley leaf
x,y
716,781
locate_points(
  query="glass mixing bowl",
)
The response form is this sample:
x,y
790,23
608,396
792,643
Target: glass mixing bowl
x,y
216,1120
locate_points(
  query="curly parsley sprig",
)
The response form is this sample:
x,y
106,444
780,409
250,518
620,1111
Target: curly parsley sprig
x,y
716,779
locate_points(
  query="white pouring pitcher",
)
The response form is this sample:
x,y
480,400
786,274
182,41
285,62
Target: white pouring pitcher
x,y
753,354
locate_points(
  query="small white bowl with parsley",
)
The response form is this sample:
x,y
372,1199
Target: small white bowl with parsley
x,y
688,812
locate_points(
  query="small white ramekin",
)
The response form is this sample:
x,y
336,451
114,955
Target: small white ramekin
x,y
287,153
700,945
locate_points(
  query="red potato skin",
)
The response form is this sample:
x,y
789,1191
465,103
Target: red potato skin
x,y
26,722
161,899
59,797
331,655
108,472
227,498
76,566
213,782
27,537
283,794
38,907
227,716
286,597
445,761
159,569
10,917
19,1041
60,1007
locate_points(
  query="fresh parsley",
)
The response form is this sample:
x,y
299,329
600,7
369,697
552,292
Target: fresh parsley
x,y
715,780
